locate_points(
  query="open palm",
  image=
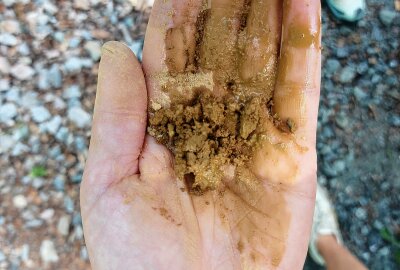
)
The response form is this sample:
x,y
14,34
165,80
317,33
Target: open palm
x,y
137,214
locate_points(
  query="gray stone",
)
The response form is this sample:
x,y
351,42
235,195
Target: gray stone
x,y
48,252
22,72
334,169
394,120
361,213
40,114
137,48
38,183
4,65
21,133
80,144
79,117
84,254
347,74
59,183
78,232
4,85
6,143
19,149
55,76
50,7
74,42
7,112
42,81
94,49
25,253
73,91
59,36
332,65
342,121
73,65
2,257
63,225
69,204
359,93
8,39
34,223
59,104
77,219
29,100
63,135
13,94
23,49
53,125
387,16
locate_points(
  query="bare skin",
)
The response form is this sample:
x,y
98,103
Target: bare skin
x,y
138,215
336,256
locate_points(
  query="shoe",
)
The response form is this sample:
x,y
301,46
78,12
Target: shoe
x,y
324,223
348,10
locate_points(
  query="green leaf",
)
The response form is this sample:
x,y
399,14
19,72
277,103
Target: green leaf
x,y
387,235
397,256
38,171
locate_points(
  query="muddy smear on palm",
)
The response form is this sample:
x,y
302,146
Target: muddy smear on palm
x,y
218,98
222,70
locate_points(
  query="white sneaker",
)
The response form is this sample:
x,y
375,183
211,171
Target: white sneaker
x,y
324,223
348,10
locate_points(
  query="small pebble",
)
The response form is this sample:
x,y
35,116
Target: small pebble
x,y
63,225
387,16
79,117
7,112
22,72
40,114
94,49
47,214
8,39
20,201
48,252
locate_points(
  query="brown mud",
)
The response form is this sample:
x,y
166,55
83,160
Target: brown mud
x,y
219,94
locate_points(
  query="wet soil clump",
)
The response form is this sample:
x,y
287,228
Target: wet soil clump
x,y
207,136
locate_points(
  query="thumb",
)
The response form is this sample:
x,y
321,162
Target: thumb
x,y
119,122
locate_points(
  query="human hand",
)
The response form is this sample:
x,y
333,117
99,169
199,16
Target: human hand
x,y
138,215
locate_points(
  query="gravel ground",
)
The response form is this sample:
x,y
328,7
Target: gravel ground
x,y
49,53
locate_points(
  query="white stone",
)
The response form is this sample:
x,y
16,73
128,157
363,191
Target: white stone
x,y
22,72
48,252
47,214
79,117
20,201
63,225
